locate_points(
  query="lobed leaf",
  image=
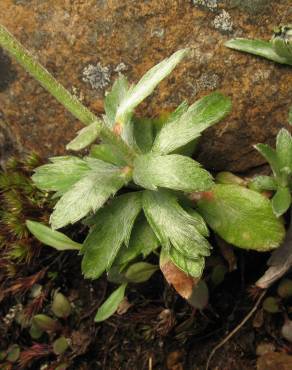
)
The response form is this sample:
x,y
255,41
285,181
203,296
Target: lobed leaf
x,y
172,225
109,307
112,228
51,237
61,174
147,84
107,153
85,137
172,171
187,125
89,193
257,47
242,217
143,241
191,266
262,183
281,201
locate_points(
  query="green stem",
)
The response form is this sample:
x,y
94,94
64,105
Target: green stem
x,y
70,102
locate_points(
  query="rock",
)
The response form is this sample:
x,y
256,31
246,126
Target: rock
x,y
84,44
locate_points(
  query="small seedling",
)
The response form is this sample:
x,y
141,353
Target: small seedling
x,y
137,188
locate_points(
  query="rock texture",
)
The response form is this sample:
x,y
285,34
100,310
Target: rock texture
x,y
85,43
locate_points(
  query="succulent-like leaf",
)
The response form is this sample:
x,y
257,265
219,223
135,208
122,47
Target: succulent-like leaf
x,y
143,241
61,174
242,217
147,84
172,171
193,267
89,193
261,48
85,137
107,153
188,125
261,183
173,226
281,201
51,237
109,307
113,228
140,272
284,150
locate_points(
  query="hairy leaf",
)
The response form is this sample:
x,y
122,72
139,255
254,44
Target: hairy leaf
x,y
242,217
281,201
146,85
188,125
182,282
193,267
61,174
271,156
114,98
143,131
89,193
51,237
107,153
143,241
173,226
140,272
261,183
200,222
85,137
284,150
172,171
257,47
113,228
109,307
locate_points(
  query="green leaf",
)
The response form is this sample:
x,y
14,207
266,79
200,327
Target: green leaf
x,y
143,241
257,47
200,222
51,237
191,266
61,174
85,137
262,183
107,153
187,126
109,307
284,150
172,225
147,84
143,132
112,228
114,98
271,156
242,217
172,171
89,193
140,272
281,201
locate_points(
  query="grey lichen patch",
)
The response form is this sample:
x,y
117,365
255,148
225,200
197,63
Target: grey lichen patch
x,y
97,76
121,67
209,4
223,22
207,81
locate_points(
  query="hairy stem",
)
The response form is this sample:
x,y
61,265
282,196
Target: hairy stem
x,y
70,102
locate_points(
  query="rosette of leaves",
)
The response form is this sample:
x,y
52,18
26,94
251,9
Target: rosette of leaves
x,y
278,49
130,190
280,160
